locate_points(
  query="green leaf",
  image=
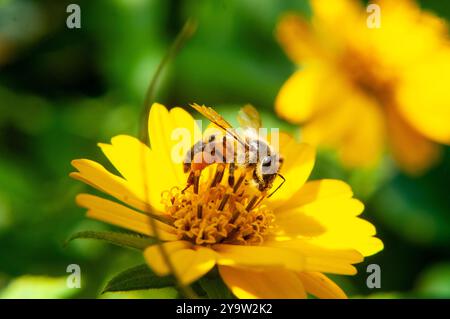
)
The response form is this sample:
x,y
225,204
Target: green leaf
x,y
137,278
158,293
126,240
215,288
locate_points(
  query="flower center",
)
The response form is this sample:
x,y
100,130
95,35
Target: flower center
x,y
219,213
368,74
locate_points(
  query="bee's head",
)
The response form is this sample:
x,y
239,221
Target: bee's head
x,y
267,170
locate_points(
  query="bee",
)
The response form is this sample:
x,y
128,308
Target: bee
x,y
259,161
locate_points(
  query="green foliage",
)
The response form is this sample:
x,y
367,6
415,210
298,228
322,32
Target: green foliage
x,y
158,293
126,240
215,288
137,278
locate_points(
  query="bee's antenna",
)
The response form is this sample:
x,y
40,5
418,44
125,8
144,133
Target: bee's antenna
x,y
284,180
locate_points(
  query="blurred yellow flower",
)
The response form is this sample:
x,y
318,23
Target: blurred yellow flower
x,y
361,89
279,248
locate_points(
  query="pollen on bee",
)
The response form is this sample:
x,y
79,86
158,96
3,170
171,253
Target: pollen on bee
x,y
219,213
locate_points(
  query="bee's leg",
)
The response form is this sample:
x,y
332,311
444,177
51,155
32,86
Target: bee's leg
x,y
219,174
263,195
231,170
196,181
239,182
223,202
251,204
193,179
231,174
189,182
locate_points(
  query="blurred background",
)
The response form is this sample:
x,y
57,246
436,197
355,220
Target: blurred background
x,y
63,90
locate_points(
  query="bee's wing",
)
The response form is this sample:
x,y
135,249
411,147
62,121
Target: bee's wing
x,y
249,118
218,120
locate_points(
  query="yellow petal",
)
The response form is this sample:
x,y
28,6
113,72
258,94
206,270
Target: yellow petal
x,y
139,166
247,283
354,126
296,99
414,152
157,261
329,127
304,95
366,245
296,37
259,256
325,212
119,215
190,263
130,156
334,226
409,37
168,139
347,233
320,259
308,219
98,177
298,163
293,225
331,209
321,286
363,143
320,190
338,19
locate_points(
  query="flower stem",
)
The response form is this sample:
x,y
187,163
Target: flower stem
x,y
186,32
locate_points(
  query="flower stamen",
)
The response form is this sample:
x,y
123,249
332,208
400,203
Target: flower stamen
x,y
217,213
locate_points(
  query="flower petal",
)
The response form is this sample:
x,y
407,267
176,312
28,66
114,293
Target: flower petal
x,y
329,127
267,284
324,213
304,94
164,129
324,190
343,13
318,190
412,151
297,39
130,156
366,245
259,256
427,109
298,163
320,286
119,215
348,233
95,175
321,259
189,264
363,143
293,225
139,166
156,260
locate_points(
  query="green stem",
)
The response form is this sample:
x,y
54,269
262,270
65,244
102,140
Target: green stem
x,y
186,32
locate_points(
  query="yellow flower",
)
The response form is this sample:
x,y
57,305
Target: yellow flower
x,y
361,89
279,248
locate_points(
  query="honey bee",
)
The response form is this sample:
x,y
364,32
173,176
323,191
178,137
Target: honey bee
x,y
260,162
